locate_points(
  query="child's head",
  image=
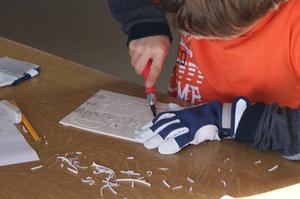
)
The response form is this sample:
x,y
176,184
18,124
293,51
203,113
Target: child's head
x,y
217,18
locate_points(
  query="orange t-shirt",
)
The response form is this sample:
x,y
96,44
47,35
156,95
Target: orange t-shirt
x,y
263,64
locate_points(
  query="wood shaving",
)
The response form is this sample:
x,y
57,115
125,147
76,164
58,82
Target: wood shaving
x,y
111,180
166,184
257,162
273,168
227,160
24,129
149,173
224,183
37,167
45,140
163,168
72,170
144,182
177,187
88,180
190,180
130,173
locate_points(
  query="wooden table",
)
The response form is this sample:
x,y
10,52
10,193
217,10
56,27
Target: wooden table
x,y
64,85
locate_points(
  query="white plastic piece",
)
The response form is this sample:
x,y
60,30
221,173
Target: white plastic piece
x,y
191,189
132,184
11,112
37,167
177,187
273,168
130,158
190,180
166,184
78,152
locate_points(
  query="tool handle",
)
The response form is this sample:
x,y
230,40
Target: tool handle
x,y
145,74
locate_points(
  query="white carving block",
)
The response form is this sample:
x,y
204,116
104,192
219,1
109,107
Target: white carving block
x,y
112,114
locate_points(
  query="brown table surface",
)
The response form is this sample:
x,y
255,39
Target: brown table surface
x,y
62,86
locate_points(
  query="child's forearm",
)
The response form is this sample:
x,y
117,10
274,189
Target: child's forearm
x,y
271,127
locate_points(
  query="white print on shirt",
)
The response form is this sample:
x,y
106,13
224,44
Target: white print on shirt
x,y
184,94
189,76
188,50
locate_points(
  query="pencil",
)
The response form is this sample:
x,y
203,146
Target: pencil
x,y
26,123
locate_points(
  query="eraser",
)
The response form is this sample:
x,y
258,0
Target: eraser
x,y
11,112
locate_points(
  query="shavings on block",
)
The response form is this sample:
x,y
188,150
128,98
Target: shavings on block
x,y
112,114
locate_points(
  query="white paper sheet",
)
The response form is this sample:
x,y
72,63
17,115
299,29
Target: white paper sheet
x,y
14,148
112,114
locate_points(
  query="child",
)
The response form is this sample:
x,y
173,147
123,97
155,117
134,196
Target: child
x,y
233,48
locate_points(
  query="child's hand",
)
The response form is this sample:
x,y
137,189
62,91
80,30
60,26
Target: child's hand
x,y
171,131
152,47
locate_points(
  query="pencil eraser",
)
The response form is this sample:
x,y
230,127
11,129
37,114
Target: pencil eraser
x,y
11,112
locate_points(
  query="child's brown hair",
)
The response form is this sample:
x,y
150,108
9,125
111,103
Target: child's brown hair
x,y
217,18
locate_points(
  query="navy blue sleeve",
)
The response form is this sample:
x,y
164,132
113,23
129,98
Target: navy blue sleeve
x,y
271,127
140,18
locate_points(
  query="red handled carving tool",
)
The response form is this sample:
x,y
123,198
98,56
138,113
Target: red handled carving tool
x,y
151,93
